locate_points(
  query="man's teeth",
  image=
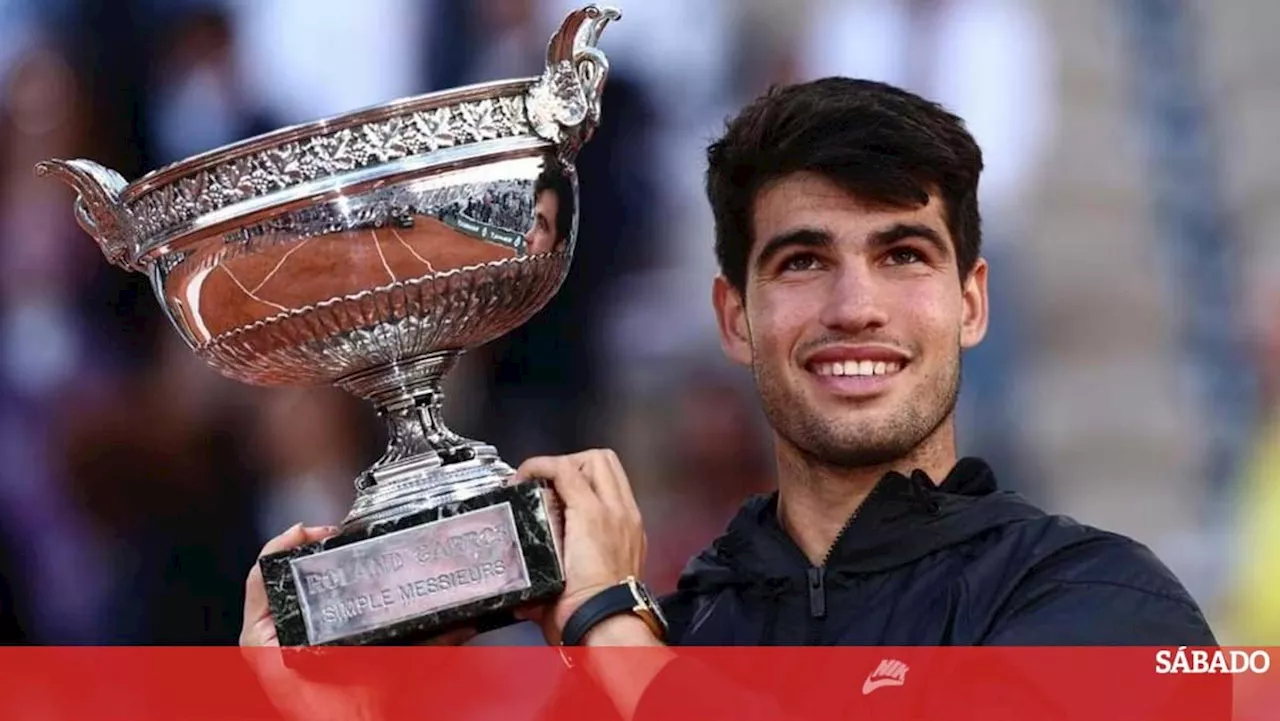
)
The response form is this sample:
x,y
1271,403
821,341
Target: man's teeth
x,y
858,368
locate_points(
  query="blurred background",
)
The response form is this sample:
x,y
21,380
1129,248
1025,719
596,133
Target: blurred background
x,y
1131,377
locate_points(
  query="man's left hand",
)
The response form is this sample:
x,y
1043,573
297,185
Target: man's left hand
x,y
604,540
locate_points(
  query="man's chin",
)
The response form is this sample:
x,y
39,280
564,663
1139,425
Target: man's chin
x,y
867,436
853,410
847,453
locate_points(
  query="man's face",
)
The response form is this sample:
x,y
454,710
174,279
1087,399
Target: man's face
x,y
544,236
852,319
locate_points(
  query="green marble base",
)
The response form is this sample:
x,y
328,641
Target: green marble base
x,y
408,579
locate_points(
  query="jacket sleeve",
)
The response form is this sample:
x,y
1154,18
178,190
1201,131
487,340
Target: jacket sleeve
x,y
1105,590
1085,613
1110,591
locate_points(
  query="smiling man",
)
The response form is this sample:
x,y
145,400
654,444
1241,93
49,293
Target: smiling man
x,y
848,236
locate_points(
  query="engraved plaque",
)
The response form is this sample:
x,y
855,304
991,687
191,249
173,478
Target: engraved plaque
x,y
409,573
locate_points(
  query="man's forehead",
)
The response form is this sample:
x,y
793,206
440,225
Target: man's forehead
x,y
808,200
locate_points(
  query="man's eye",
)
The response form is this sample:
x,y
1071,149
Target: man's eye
x,y
905,256
803,261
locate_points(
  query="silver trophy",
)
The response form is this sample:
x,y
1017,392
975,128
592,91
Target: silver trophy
x,y
370,251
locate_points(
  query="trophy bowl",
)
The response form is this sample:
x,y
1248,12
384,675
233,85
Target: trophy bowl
x,y
369,251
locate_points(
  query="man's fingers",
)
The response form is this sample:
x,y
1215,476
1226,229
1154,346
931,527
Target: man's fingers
x,y
255,591
570,483
625,492
581,477
292,536
256,607
604,479
296,535
628,493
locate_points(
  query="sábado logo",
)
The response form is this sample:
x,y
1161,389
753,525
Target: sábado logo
x,y
1215,661
890,672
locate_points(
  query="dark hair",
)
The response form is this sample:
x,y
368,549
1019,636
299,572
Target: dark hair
x,y
557,180
878,141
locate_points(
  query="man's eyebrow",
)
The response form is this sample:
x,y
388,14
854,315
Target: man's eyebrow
x,y
902,231
799,237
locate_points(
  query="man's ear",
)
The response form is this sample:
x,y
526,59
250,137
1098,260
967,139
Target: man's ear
x,y
973,326
731,316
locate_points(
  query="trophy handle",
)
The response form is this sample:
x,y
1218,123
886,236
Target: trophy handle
x,y
564,105
97,207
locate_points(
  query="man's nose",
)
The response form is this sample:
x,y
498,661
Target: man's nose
x,y
853,303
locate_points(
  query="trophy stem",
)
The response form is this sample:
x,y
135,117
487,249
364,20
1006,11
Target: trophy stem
x,y
426,464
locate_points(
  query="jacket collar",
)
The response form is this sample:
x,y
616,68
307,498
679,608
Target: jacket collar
x,y
904,517
896,497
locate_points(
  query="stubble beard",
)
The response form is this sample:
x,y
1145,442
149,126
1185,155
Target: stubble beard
x,y
861,442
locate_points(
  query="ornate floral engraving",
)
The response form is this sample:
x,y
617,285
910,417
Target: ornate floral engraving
x,y
557,102
174,204
564,105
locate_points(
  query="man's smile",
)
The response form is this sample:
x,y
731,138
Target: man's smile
x,y
856,370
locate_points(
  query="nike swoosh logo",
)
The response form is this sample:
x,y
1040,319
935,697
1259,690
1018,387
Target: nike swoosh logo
x,y
872,684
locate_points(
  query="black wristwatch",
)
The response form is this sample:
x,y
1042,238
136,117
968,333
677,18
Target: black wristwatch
x,y
629,596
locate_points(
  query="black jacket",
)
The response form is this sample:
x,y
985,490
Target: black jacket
x,y
919,565
925,564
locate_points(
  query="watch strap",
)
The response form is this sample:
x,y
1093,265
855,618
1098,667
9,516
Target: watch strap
x,y
605,604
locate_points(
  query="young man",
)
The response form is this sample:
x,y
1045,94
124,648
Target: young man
x,y
848,235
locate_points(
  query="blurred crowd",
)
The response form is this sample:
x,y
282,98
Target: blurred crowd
x,y
136,485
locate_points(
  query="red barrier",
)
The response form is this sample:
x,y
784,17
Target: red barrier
x,y
429,683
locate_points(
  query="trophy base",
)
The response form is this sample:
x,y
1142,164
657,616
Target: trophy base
x,y
405,580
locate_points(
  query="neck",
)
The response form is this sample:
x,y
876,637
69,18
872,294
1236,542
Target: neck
x,y
816,499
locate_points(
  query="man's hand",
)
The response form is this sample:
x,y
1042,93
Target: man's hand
x,y
604,539
295,696
604,542
258,629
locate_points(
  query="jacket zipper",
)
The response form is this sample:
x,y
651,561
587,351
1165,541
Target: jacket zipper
x,y
817,593
818,583
845,528
817,577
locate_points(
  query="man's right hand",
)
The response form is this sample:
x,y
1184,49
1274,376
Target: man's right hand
x,y
292,694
